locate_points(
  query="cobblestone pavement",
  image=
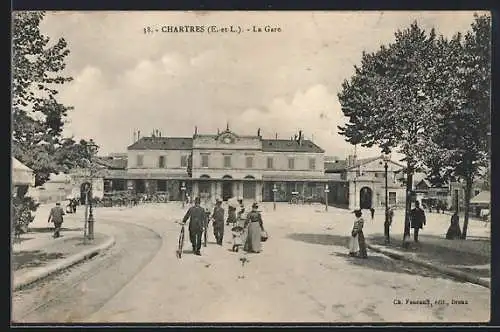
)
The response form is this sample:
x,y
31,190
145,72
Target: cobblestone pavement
x,y
302,275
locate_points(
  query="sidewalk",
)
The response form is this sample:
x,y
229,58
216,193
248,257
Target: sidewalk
x,y
468,260
37,254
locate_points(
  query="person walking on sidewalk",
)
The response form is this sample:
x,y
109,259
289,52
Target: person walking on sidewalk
x,y
218,217
56,216
417,219
357,230
196,215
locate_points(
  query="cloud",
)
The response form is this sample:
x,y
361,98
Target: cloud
x,y
281,82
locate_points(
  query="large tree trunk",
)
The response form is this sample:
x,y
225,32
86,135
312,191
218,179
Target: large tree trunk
x,y
468,189
409,187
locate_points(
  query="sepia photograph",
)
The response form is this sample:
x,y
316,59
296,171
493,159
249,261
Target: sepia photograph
x,y
250,167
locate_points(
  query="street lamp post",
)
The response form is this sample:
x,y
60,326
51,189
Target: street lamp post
x,y
386,158
183,190
92,149
326,196
274,196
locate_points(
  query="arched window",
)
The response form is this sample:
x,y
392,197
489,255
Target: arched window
x,y
227,177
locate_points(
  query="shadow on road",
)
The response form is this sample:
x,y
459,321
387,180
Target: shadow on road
x,y
21,239
33,258
464,255
385,264
374,261
51,229
322,239
440,251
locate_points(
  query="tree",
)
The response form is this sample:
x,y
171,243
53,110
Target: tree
x,y
462,135
38,118
390,99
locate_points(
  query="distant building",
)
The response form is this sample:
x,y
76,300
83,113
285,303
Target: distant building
x,y
56,189
457,193
432,196
227,165
362,182
23,179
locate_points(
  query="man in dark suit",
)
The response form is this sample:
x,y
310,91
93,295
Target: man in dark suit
x,y
417,218
56,216
196,215
218,217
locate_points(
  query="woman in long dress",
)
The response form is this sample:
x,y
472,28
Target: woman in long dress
x,y
454,231
254,229
357,231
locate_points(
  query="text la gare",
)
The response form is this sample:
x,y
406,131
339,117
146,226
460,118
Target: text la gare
x,y
267,28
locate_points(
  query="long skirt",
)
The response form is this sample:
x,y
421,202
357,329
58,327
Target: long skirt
x,y
362,245
253,243
353,245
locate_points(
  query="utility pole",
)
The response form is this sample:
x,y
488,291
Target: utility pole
x,y
274,196
326,197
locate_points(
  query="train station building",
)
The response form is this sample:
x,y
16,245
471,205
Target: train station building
x,y
226,164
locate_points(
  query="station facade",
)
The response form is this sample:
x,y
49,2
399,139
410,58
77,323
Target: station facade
x,y
226,165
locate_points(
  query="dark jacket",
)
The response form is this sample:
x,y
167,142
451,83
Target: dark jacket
x,y
56,215
231,215
196,216
218,215
417,218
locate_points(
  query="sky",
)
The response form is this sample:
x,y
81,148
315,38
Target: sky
x,y
127,80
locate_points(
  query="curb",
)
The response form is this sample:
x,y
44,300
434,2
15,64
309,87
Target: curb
x,y
41,273
443,269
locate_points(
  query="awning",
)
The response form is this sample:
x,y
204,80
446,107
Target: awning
x,y
22,174
151,176
483,198
289,178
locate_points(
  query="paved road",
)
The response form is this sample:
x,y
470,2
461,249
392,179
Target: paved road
x,y
79,291
303,275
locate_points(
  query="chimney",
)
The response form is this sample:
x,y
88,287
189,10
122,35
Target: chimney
x,y
138,134
195,130
301,137
276,136
258,132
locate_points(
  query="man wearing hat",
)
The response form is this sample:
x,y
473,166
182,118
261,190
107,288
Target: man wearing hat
x,y
218,217
196,216
56,216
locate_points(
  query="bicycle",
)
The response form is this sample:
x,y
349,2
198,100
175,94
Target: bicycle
x,y
181,240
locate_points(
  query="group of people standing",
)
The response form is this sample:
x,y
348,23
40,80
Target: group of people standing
x,y
199,219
